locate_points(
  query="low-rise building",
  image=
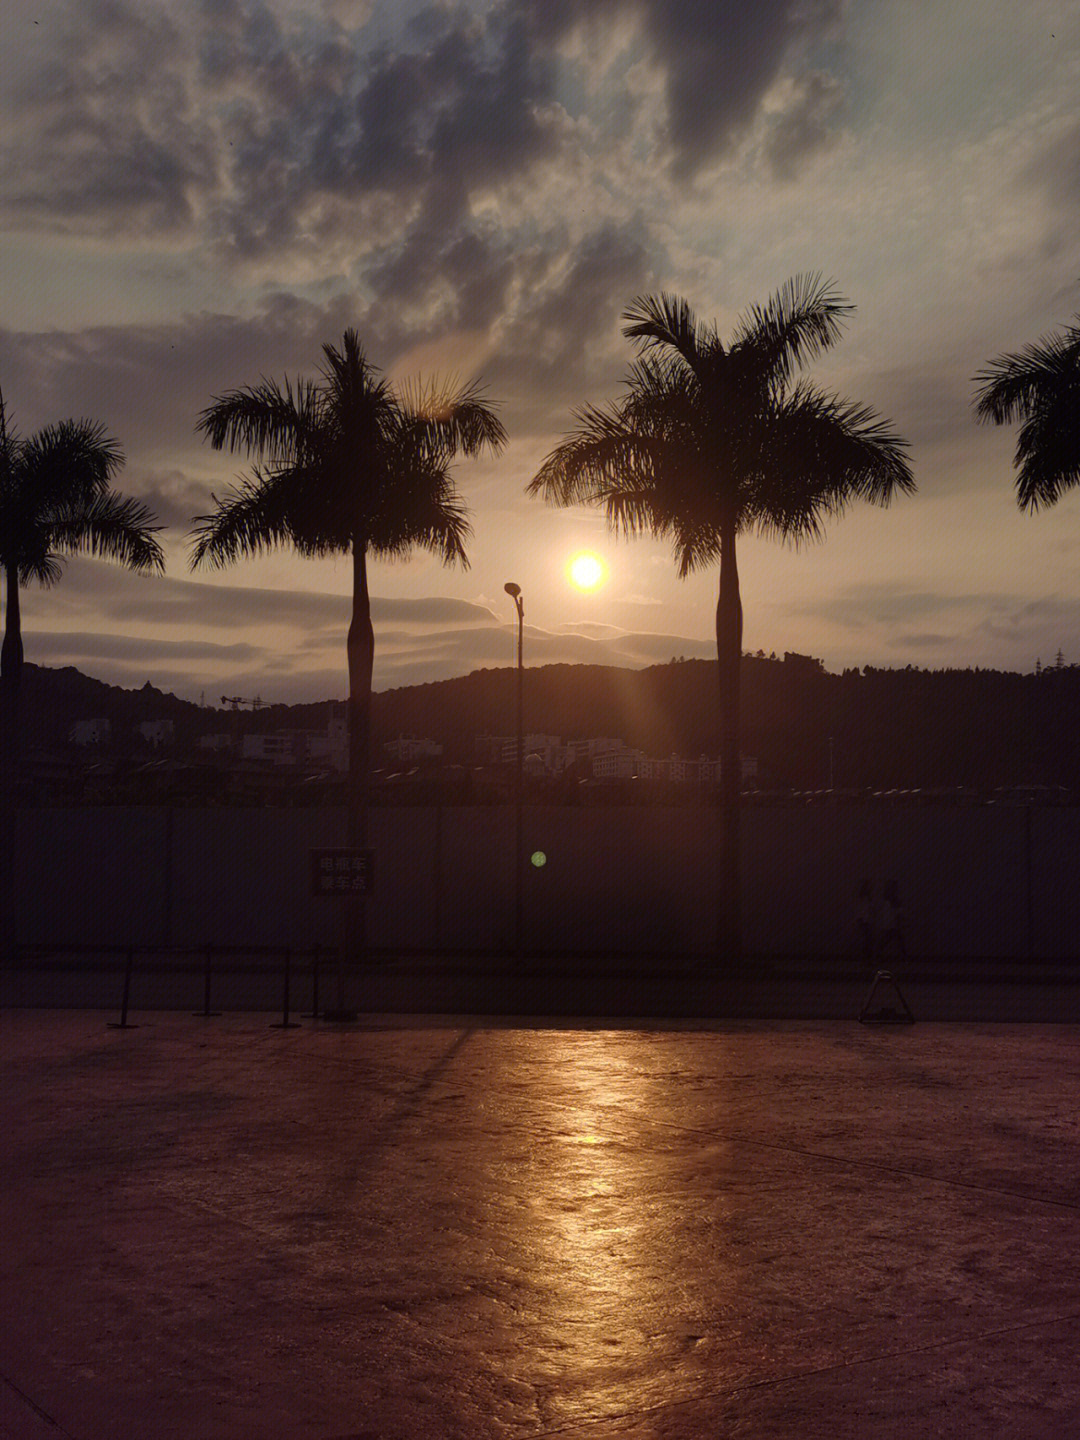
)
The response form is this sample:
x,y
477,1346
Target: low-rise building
x,y
90,732
409,748
156,732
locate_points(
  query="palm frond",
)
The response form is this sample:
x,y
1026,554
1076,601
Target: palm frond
x,y
10,446
1012,386
349,375
821,454
797,323
47,570
457,419
428,519
270,419
1048,448
116,527
667,320
255,516
69,459
603,453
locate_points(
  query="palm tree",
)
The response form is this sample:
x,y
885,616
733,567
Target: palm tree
x,y
1041,387
710,441
347,466
55,500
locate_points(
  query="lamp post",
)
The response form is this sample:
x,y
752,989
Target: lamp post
x,y
514,591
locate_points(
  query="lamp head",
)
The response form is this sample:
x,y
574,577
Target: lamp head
x,y
512,589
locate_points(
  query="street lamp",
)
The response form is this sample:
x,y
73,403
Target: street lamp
x,y
514,591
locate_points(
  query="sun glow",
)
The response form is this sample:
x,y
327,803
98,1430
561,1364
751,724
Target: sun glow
x,y
586,571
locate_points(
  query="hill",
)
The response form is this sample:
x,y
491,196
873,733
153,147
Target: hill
x,y
870,727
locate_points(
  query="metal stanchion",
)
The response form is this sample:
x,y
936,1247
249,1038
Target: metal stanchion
x,y
314,1015
122,1023
205,1013
285,1023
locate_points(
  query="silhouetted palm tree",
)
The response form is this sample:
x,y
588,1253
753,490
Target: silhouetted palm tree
x,y
348,467
1041,387
710,441
55,500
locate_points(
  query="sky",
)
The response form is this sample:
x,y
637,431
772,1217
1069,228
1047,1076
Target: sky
x,y
197,195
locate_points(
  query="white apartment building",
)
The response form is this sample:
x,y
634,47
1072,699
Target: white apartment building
x,y
408,748
156,732
216,742
279,748
90,732
328,748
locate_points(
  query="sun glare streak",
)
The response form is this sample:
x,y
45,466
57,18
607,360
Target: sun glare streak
x,y
586,571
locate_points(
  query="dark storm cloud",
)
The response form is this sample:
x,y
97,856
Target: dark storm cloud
x,y
148,383
239,125
106,138
541,363
806,126
720,57
717,57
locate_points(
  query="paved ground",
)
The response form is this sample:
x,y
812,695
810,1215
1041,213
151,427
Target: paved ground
x,y
422,1227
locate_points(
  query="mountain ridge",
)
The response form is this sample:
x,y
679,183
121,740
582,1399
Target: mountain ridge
x,y
808,727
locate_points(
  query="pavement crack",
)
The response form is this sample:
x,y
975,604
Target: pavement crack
x,y
580,1428
35,1407
856,1163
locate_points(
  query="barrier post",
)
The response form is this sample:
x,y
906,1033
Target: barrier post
x,y
206,1013
285,1023
122,1024
314,985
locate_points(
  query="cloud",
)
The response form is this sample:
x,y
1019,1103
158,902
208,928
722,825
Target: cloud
x,y
291,644
805,125
66,648
93,588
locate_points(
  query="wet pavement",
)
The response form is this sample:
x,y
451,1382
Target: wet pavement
x,y
425,1226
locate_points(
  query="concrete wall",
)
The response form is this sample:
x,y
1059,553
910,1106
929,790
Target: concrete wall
x,y
984,881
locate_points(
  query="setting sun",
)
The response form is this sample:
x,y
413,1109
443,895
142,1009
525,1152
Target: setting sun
x,y
586,571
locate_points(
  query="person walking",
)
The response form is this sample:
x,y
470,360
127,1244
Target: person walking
x,y
891,940
864,921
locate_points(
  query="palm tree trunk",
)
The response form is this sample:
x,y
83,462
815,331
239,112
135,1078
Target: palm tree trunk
x,y
360,648
361,653
11,661
11,664
729,626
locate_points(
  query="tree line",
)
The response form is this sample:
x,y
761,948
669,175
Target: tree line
x,y
709,440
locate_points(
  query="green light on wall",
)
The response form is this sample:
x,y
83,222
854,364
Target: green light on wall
x,y
538,858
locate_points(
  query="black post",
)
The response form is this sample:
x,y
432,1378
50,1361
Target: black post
x,y
514,591
314,984
1028,897
285,1023
205,1013
122,1024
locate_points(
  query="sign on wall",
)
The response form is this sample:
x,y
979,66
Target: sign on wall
x,y
342,871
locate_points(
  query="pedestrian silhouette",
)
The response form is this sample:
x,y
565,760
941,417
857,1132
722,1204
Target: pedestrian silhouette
x,y
864,921
891,939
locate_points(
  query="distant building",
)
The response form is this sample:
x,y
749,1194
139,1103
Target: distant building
x,y
623,764
216,742
156,732
277,748
90,732
409,748
327,748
